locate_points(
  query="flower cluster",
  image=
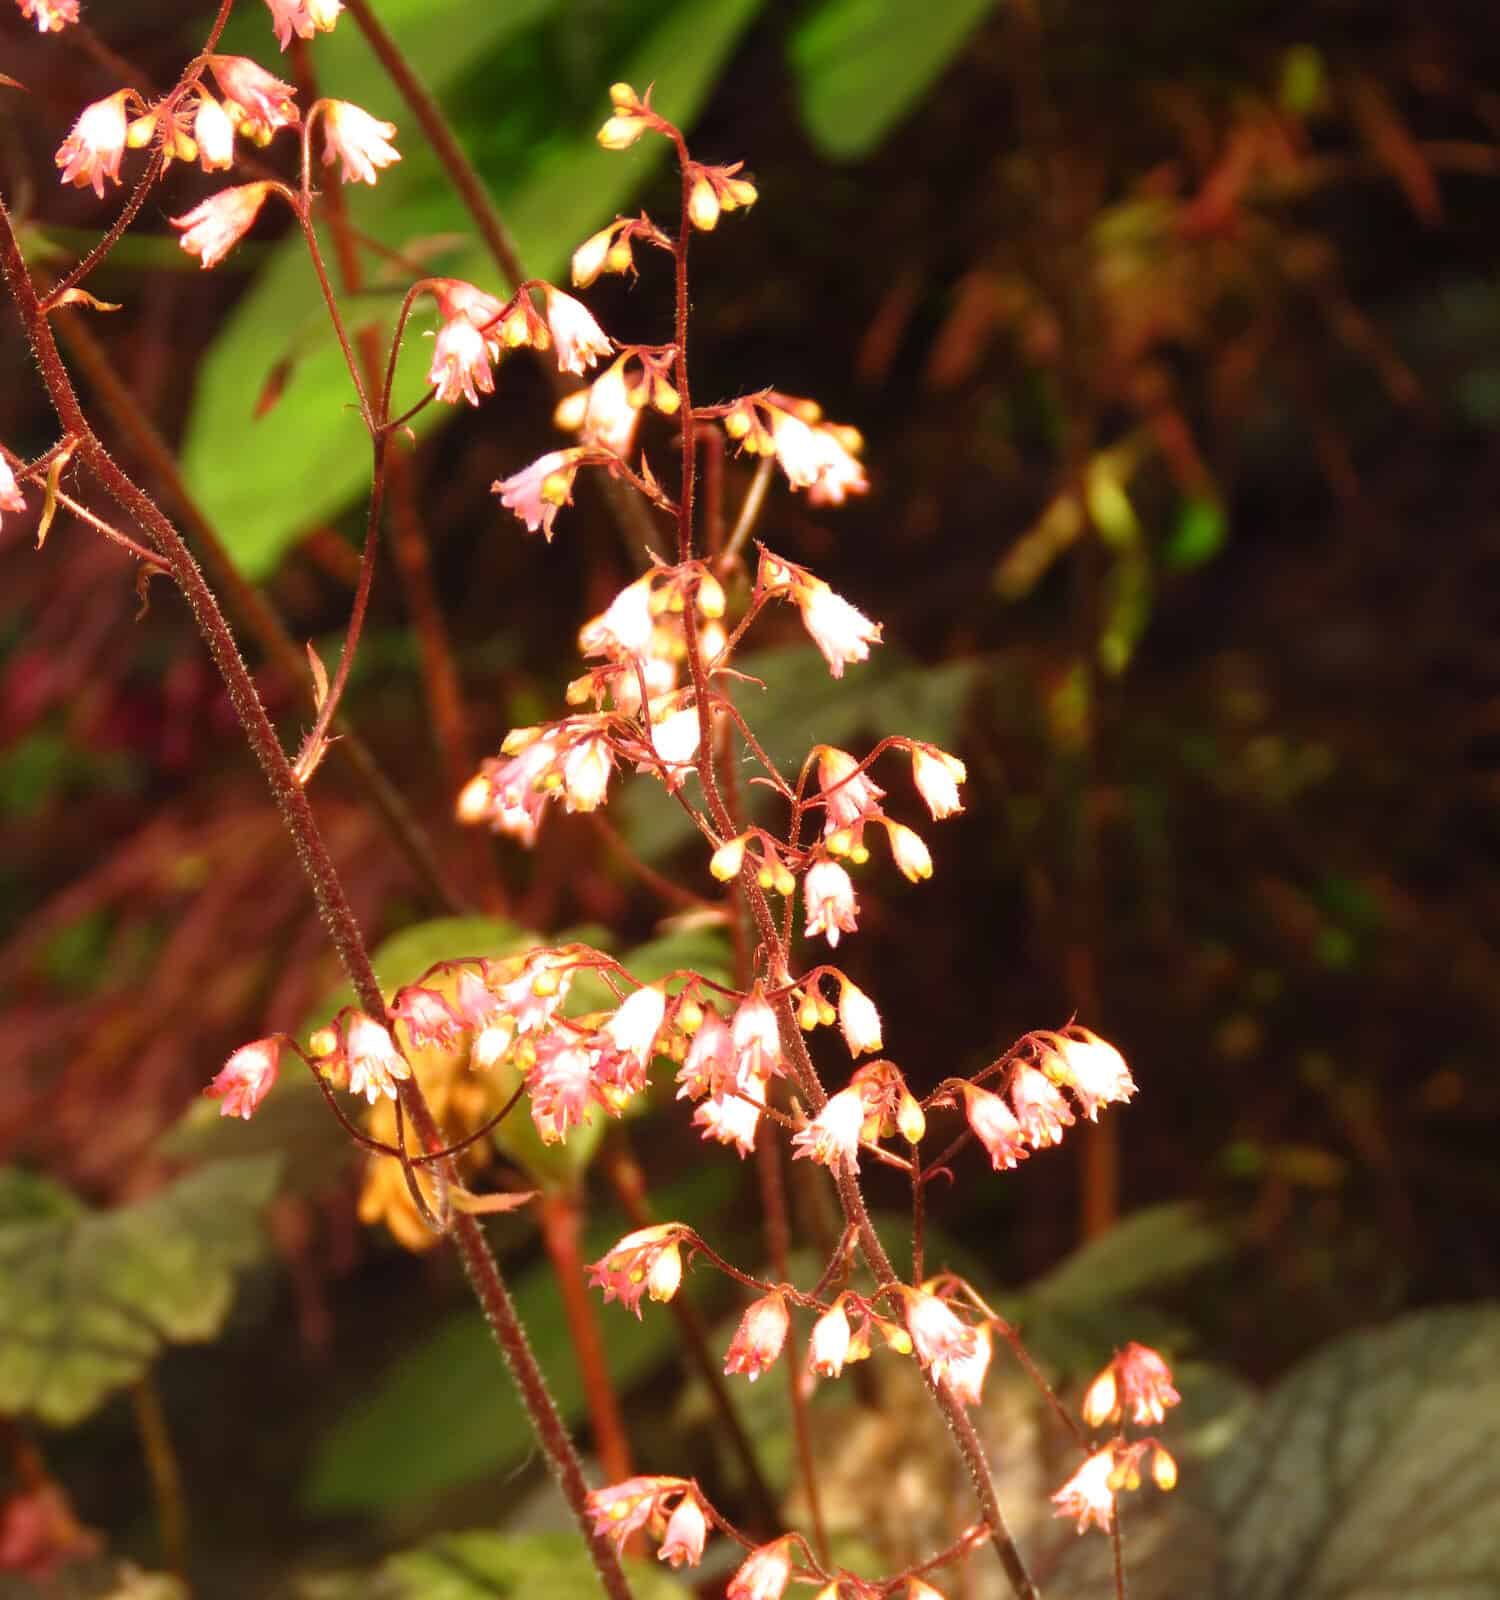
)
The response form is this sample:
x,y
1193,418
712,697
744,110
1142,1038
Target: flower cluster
x,y
670,1509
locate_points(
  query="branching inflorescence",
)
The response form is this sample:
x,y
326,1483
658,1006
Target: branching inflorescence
x,y
443,1061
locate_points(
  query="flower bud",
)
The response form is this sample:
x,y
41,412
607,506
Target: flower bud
x,y
703,206
727,860
1163,1469
910,1119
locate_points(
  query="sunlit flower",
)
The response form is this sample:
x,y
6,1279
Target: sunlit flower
x,y
647,1261
426,1016
561,1084
376,1066
247,1077
732,1114
832,1137
579,339
622,1508
629,120
11,498
213,228
1092,1068
589,258
841,631
764,1573
755,1036
258,102
631,1033
909,852
995,1127
1088,1494
536,492
758,1340
50,16
828,897
1040,1109
937,776
213,132
843,474
709,1059
303,18
586,770
608,418
859,1021
93,150
533,997
460,363
940,1339
850,798
1146,1389
828,1349
359,141
966,1374
675,737
625,628
687,1529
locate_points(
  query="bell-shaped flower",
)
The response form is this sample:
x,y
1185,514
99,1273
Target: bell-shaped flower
x,y
755,1036
538,491
579,339
828,1349
764,1573
620,1509
247,1077
1040,1109
687,1531
937,776
841,631
850,798
648,1261
709,1060
376,1066
562,1084
859,1021
1089,1066
939,1338
360,142
625,627
832,1137
966,1374
257,101
213,132
303,18
760,1336
995,1127
732,1114
1089,1494
426,1016
630,1037
909,851
213,227
93,150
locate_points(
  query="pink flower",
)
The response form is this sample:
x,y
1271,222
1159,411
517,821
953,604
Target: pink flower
x,y
214,133
828,896
426,1016
1145,1385
460,367
303,18
966,1374
1088,1494
624,629
828,1349
258,101
93,150
797,449
358,140
561,1084
609,419
842,473
841,631
621,1508
687,1529
535,493
579,339
50,16
213,228
647,1261
859,1021
1040,1109
1092,1068
758,1340
631,1034
247,1077
832,1137
376,1066
709,1060
732,1115
755,1037
675,737
995,1128
937,776
940,1339
533,996
849,797
586,770
764,1573
908,851
11,498
815,457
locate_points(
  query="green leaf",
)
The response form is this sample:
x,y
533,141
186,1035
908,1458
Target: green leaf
x,y
87,1300
472,1421
491,1566
861,65
264,483
1371,1471
1149,1249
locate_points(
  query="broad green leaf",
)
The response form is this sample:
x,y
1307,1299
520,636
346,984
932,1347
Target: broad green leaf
x,y
88,1300
33,1197
264,483
472,1422
1371,1472
491,1566
861,65
802,705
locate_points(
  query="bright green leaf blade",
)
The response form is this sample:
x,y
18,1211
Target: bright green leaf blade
x,y
86,1302
491,1566
861,65
264,483
1371,1471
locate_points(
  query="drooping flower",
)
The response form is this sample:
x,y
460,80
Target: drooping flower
x,y
586,770
909,851
829,900
1040,1109
11,498
1089,1495
995,1127
732,1114
859,1021
828,1349
608,418
840,630
213,132
213,228
709,1060
814,457
850,797
1137,1380
538,491
687,1530
376,1066
674,737
629,120
579,339
93,150
755,1037
247,1077
648,1261
460,367
714,190
358,140
760,1336
426,1016
620,1509
832,1137
303,18
257,101
625,627
937,776
50,16
966,1374
939,1338
562,1084
631,1034
1088,1065
764,1573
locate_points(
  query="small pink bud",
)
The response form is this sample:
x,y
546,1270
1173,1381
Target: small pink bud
x,y
247,1077
758,1339
687,1529
358,140
726,861
213,228
909,852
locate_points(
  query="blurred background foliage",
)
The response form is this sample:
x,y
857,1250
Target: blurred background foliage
x,y
1175,339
